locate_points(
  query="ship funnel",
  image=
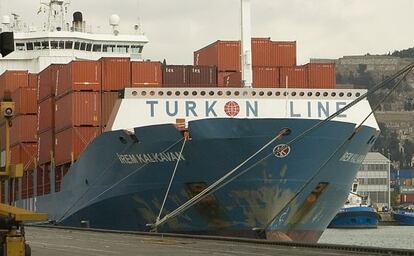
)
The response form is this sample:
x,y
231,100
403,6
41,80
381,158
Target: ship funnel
x,y
77,21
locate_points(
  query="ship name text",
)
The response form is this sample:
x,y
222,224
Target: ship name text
x,y
150,158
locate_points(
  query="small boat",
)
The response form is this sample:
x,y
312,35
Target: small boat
x,y
404,215
356,213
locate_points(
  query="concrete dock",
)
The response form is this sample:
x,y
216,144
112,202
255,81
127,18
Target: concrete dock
x,y
63,242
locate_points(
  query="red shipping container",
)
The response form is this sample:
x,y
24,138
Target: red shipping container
x,y
407,198
46,179
46,144
221,78
283,54
202,76
108,102
58,177
46,115
27,184
223,54
322,75
33,80
11,80
70,143
48,80
116,73
40,180
233,80
79,76
78,109
294,77
25,101
24,153
24,129
266,77
175,76
146,74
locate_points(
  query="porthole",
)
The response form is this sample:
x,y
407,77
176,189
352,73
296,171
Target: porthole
x,y
318,94
325,94
285,94
220,93
341,94
237,93
169,93
277,93
269,94
254,93
349,94
186,93
211,93
203,93
134,93
357,94
245,93
143,93
194,93
302,94
333,94
261,93
177,93
152,93
310,94
228,93
293,94
160,93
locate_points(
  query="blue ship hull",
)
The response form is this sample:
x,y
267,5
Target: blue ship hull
x,y
356,217
120,180
404,218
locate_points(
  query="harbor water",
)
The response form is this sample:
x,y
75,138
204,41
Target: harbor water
x,y
400,237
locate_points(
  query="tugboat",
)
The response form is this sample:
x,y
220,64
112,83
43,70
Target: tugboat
x,y
404,215
356,213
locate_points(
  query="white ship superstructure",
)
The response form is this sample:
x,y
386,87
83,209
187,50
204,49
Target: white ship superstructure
x,y
59,42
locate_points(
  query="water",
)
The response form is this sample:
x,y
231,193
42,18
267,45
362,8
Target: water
x,y
401,237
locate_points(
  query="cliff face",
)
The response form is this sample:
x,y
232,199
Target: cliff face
x,y
396,115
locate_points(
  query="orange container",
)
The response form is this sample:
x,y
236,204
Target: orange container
x,y
33,80
266,77
70,143
233,80
116,73
46,115
25,99
79,76
294,77
46,144
24,129
283,54
11,80
48,80
223,54
146,74
221,78
24,153
27,184
78,109
108,102
322,75
202,76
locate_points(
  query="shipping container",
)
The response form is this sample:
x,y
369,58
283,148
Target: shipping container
x,y
46,144
175,76
24,129
33,80
116,73
58,177
221,78
322,76
267,53
79,76
202,76
223,54
108,102
27,184
11,80
48,80
78,109
233,80
46,115
25,100
40,180
24,153
407,198
266,77
294,77
70,143
146,74
46,179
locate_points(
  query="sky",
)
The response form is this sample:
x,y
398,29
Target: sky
x,y
322,28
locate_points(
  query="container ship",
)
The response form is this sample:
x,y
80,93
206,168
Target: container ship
x,y
228,146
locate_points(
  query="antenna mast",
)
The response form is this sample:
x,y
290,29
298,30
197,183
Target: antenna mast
x,y
246,44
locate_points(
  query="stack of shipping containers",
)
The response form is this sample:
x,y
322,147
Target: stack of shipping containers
x,y
63,108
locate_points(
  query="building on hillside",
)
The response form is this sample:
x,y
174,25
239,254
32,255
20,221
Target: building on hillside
x,y
374,180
